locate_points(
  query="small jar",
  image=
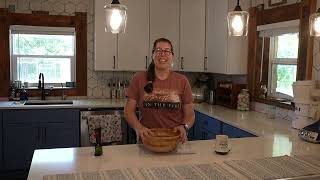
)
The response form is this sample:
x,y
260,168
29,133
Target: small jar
x,y
243,100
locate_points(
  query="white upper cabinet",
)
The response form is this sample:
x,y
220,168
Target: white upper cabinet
x,y
133,45
105,43
226,55
164,22
192,35
197,29
123,52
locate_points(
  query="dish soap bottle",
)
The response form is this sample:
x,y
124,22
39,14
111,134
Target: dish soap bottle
x,y
98,148
23,94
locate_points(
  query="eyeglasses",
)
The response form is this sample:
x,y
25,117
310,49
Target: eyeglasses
x,y
159,51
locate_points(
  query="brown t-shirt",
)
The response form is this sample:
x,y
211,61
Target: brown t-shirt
x,y
163,107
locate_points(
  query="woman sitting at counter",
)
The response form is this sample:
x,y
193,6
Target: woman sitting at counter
x,y
164,97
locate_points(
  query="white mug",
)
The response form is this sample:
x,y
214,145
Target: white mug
x,y
222,143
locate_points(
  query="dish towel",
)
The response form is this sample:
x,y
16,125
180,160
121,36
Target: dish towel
x,y
110,127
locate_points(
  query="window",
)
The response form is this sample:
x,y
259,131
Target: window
x,y
47,50
283,64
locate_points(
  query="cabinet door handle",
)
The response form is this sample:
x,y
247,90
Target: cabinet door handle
x,y
146,62
181,63
114,62
205,63
45,136
39,135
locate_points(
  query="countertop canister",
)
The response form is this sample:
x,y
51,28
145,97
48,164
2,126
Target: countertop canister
x,y
243,100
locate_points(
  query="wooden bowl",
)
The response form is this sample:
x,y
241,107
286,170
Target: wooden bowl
x,y
163,140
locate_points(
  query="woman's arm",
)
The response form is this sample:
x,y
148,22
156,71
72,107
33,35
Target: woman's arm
x,y
188,114
131,117
130,114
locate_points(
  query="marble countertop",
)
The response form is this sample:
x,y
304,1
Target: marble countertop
x,y
276,138
80,103
75,160
253,122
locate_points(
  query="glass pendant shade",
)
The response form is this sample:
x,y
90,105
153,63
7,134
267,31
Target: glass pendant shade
x,y
238,22
314,24
116,17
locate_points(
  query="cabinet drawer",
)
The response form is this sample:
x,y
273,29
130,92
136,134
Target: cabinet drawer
x,y
41,115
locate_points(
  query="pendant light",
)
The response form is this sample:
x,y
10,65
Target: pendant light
x,y
314,24
116,17
238,21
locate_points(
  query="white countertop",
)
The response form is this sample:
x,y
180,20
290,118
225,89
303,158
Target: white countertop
x,y
276,138
80,103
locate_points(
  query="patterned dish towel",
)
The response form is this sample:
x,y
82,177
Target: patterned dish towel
x,y
110,127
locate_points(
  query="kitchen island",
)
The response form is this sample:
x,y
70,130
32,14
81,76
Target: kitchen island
x,y
76,160
275,138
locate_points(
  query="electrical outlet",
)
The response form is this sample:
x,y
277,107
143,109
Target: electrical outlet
x,y
12,8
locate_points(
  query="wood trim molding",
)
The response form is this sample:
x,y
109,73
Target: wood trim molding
x,y
279,14
265,65
79,21
305,55
4,53
252,48
300,11
81,53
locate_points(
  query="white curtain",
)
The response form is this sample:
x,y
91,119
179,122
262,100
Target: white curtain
x,y
276,29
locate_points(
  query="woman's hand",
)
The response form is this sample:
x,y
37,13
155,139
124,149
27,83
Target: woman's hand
x,y
144,132
183,133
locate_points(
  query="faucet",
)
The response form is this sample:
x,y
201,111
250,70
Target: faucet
x,y
41,86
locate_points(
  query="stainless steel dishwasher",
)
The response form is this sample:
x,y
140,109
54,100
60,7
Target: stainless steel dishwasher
x,y
128,134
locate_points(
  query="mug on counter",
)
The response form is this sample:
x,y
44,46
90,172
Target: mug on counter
x,y
222,145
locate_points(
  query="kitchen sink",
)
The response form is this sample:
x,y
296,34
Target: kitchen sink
x,y
48,102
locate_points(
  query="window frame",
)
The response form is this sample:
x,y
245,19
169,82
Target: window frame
x,y
20,29
273,61
44,19
256,76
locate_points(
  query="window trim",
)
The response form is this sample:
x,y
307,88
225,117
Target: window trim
x,y
301,11
42,18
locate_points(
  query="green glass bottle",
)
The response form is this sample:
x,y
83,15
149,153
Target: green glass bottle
x,y
98,148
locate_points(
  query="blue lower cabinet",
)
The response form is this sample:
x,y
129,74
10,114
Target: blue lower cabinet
x,y
208,135
27,130
234,132
20,140
68,135
205,127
